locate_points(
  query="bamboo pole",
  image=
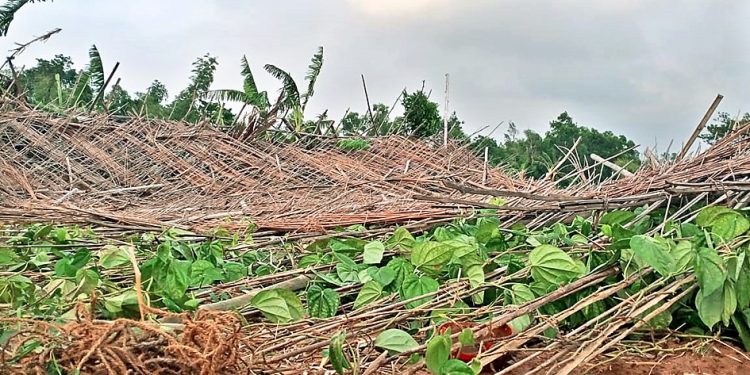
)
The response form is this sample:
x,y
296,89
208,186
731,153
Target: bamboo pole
x,y
699,128
484,170
104,87
445,116
611,165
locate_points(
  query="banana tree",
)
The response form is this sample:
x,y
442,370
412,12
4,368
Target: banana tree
x,y
261,111
288,108
294,103
89,82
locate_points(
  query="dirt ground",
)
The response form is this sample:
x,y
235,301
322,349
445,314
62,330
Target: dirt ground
x,y
713,359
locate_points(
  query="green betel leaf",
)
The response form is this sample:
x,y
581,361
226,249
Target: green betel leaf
x,y
710,307
521,294
718,306
364,276
462,245
374,252
371,292
475,274
203,272
322,303
234,271
402,268
348,273
551,265
395,341
87,280
430,254
383,275
487,231
660,321
115,303
739,262
708,215
69,265
415,286
710,270
616,217
742,330
437,352
724,222
401,239
176,280
520,324
8,257
466,337
113,256
730,225
578,239
730,303
654,252
683,255
456,367
743,285
336,353
278,305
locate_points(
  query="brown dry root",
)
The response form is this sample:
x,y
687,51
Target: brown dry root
x,y
210,343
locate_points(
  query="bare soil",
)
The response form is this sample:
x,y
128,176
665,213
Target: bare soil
x,y
712,359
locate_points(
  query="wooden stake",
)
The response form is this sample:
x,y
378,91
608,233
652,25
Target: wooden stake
x,y
484,172
104,87
699,128
445,116
369,108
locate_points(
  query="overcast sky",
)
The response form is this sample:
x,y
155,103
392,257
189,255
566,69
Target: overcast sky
x,y
645,69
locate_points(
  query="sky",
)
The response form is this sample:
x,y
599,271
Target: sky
x,y
644,69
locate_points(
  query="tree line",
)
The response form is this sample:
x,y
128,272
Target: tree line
x,y
55,85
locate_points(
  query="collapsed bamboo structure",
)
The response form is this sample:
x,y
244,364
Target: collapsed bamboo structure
x,y
153,174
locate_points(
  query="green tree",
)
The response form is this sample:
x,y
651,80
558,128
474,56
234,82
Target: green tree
x,y
722,125
41,84
455,129
525,154
353,124
533,154
563,134
118,101
381,123
421,115
151,102
189,105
